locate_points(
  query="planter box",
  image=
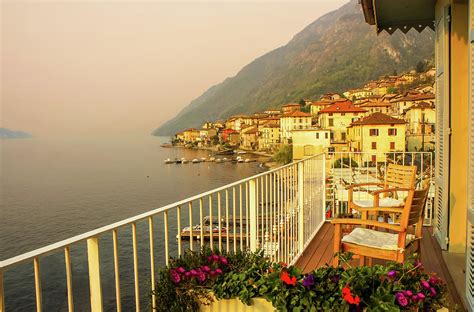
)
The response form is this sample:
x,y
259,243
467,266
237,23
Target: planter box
x,y
235,305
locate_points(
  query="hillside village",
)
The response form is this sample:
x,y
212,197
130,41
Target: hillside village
x,y
391,114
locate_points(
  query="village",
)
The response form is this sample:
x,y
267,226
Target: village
x,y
392,114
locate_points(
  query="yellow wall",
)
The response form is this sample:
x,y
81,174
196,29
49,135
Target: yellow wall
x,y
340,123
459,127
288,124
306,143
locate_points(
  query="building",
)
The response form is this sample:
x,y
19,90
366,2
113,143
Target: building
x,y
377,106
191,135
421,121
291,107
338,117
295,120
249,138
454,158
272,112
376,134
269,135
402,103
230,136
206,135
310,142
317,106
357,94
330,97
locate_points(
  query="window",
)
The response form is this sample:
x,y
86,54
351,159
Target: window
x,y
331,122
326,135
355,114
330,114
332,136
343,136
317,135
374,158
343,114
301,120
374,145
392,131
392,145
374,132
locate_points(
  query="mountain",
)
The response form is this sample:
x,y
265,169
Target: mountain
x,y
11,134
337,52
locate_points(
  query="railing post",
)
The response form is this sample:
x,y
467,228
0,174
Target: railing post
x,y
94,274
323,188
253,205
301,206
2,296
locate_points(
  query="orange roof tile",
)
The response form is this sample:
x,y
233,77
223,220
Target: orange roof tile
x,y
342,107
377,119
297,114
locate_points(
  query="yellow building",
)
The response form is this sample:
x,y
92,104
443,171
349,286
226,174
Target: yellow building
x,y
269,135
291,107
421,121
295,120
377,106
191,135
454,166
358,94
310,142
337,117
249,138
376,134
400,104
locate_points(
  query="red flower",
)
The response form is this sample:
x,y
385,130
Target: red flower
x,y
347,296
285,277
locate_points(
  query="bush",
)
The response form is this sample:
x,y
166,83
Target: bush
x,y
194,278
284,155
345,162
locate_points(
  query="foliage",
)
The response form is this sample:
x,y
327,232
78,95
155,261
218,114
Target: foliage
x,y
284,155
306,109
345,163
421,66
245,275
392,90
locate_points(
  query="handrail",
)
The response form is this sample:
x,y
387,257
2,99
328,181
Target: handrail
x,y
48,249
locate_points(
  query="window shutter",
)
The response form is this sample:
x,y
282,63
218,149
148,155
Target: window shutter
x,y
470,208
442,133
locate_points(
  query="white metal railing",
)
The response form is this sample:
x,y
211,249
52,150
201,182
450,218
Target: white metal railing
x,y
278,211
366,167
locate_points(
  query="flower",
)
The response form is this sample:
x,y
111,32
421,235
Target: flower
x,y
175,278
215,258
335,279
425,284
187,274
218,271
193,272
421,296
401,299
407,293
224,260
434,280
346,294
283,264
206,269
181,270
392,274
414,298
308,281
285,277
201,276
209,259
433,291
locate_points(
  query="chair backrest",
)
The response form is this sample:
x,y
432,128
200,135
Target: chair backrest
x,y
414,208
400,176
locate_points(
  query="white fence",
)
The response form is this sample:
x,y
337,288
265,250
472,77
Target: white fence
x,y
278,211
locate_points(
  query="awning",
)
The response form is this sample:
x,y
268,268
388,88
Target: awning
x,y
390,15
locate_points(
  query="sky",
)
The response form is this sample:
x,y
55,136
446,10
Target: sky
x,y
84,68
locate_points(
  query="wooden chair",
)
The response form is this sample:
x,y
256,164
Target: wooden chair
x,y
397,179
368,242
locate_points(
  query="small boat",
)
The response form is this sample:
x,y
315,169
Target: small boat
x,y
224,159
184,160
212,159
225,152
218,160
203,159
169,161
247,160
166,145
195,161
240,159
178,161
241,152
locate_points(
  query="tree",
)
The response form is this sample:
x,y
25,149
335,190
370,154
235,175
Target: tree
x,y
346,162
302,102
392,90
395,72
284,155
420,67
306,109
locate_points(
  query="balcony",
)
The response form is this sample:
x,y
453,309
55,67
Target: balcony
x,y
283,211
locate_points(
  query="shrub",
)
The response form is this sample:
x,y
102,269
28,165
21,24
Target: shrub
x,y
345,162
284,155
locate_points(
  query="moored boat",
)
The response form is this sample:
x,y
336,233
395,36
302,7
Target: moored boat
x,y
169,161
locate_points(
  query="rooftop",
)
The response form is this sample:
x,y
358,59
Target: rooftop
x,y
378,119
343,107
296,114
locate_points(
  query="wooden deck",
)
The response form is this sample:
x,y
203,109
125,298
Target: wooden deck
x,y
320,251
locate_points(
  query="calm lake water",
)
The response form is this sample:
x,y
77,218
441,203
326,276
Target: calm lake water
x,y
52,189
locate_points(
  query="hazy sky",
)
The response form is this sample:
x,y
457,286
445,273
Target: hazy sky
x,y
80,68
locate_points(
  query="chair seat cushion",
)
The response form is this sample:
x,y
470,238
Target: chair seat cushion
x,y
375,239
383,202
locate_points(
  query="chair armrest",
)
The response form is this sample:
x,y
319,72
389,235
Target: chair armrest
x,y
364,184
395,189
393,227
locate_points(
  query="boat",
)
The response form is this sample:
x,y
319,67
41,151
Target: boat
x,y
212,159
178,161
169,161
184,160
203,159
218,160
240,159
247,160
224,159
195,161
241,152
167,145
225,152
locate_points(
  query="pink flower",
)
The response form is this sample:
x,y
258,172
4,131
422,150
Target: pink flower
x,y
215,258
193,272
206,268
425,284
414,298
181,270
408,293
187,274
218,271
421,296
224,260
201,276
209,259
175,278
392,274
401,299
433,280
433,292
